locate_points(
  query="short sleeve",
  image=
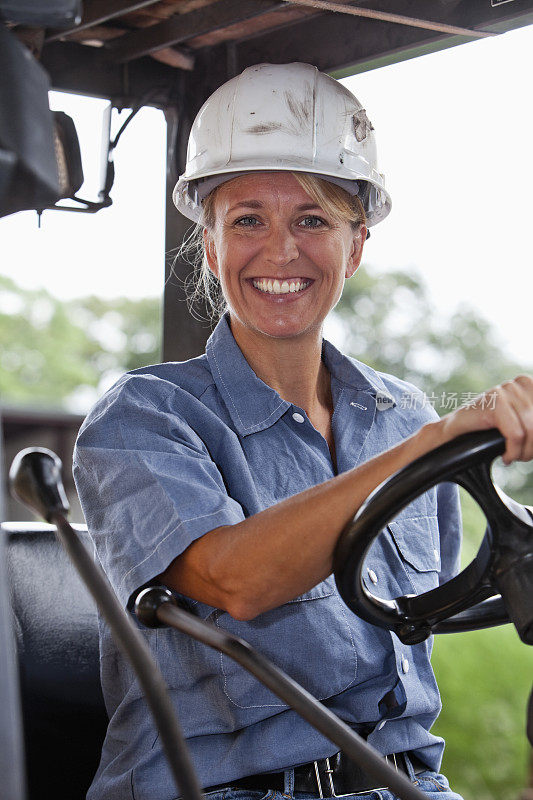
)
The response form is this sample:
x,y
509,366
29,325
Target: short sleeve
x,y
147,485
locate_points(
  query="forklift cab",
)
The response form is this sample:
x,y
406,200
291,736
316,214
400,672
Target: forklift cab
x,y
170,55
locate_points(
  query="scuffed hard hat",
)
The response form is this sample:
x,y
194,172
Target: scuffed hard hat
x,y
287,117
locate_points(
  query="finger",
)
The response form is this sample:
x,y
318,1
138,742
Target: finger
x,y
519,394
494,409
507,420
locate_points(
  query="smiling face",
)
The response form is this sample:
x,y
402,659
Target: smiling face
x,y
280,258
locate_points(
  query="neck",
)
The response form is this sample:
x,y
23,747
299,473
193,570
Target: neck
x,y
292,367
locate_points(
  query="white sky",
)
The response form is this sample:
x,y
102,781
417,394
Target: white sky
x,y
455,139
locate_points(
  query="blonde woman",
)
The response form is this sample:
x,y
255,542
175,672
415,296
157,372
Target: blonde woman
x,y
230,476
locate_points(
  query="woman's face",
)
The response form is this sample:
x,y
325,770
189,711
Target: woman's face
x,y
281,260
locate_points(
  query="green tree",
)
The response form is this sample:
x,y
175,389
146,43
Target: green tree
x,y
56,353
390,324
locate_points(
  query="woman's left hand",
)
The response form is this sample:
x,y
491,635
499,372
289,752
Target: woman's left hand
x,y
508,407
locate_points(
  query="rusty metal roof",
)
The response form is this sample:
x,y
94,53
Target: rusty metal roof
x,y
134,50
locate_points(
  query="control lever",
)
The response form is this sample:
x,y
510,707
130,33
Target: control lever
x,y
35,480
157,607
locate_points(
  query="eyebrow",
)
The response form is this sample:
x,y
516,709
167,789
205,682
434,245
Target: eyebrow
x,y
258,204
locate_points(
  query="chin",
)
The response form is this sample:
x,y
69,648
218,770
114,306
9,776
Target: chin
x,y
279,328
285,330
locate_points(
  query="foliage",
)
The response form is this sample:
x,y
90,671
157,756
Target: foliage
x,y
485,679
59,353
389,323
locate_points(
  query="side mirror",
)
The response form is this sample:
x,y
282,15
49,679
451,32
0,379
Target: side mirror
x,y
60,13
29,176
68,155
40,159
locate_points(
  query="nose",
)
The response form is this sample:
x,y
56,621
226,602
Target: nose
x,y
280,248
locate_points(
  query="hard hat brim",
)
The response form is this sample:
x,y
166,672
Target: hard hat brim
x,y
190,191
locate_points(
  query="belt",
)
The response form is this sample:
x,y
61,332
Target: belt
x,y
337,776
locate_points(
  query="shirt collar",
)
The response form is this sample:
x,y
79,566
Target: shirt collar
x,y
351,372
253,405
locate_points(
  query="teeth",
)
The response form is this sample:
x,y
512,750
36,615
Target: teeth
x,y
275,287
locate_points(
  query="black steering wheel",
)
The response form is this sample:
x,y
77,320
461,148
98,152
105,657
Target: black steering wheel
x,y
496,587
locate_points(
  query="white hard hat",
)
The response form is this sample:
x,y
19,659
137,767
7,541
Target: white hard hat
x,y
282,117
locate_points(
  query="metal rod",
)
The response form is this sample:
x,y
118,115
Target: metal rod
x,y
307,706
135,648
385,16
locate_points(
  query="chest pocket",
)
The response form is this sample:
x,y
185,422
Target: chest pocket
x,y
417,542
405,558
309,638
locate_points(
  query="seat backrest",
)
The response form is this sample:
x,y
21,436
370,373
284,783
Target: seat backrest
x,y
11,751
56,633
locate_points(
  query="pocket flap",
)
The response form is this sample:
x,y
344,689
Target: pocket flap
x,y
417,539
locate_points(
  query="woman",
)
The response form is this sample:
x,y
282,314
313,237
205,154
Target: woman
x,y
231,476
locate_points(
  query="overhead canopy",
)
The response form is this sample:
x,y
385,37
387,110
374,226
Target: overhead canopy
x,y
130,50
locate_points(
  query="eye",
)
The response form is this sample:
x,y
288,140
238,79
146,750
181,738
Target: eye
x,y
246,222
311,221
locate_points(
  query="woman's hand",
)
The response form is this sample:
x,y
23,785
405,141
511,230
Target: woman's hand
x,y
508,407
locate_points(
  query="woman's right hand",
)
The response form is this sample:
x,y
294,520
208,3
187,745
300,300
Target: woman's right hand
x,y
508,407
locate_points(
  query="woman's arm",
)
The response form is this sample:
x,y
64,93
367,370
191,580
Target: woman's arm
x,y
281,552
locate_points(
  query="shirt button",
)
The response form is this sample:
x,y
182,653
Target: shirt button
x,y
298,417
405,665
436,554
372,575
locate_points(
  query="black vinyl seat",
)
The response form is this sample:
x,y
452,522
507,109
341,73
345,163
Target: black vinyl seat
x,y
56,631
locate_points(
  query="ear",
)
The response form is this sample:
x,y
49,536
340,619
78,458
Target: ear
x,y
210,253
356,252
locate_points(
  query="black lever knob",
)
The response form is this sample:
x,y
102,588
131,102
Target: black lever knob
x,y
148,601
35,480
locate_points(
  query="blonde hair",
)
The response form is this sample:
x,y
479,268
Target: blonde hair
x,y
202,287
333,199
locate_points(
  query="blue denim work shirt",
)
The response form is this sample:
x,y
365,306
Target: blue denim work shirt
x,y
177,449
